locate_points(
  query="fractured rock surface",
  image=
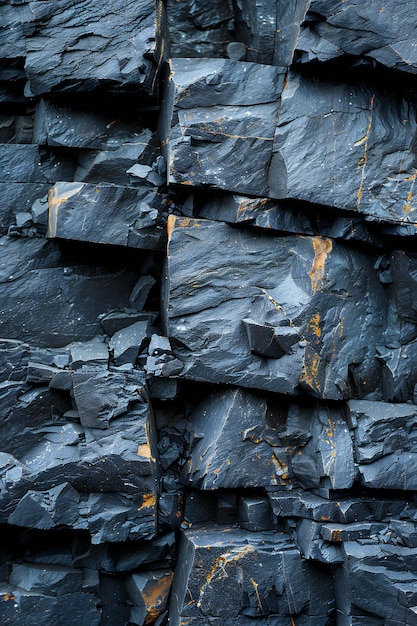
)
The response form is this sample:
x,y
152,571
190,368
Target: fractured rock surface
x,y
208,332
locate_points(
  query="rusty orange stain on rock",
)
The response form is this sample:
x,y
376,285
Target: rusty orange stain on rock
x,y
145,450
313,325
322,248
58,194
177,222
148,500
311,370
155,597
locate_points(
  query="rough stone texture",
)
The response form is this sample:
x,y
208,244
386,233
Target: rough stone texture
x,y
77,50
301,292
220,108
246,433
346,146
379,30
231,575
109,214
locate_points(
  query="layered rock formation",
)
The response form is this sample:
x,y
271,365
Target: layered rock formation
x,y
208,347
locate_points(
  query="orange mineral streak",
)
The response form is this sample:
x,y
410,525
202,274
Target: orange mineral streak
x,y
176,222
148,501
144,450
218,570
313,326
311,371
322,248
55,199
363,160
155,597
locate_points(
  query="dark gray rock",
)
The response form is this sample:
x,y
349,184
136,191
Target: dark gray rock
x,y
58,125
226,572
327,459
314,286
242,442
312,545
126,343
255,513
342,510
281,217
378,580
220,108
31,267
270,29
67,50
148,592
103,213
381,31
384,444
30,609
200,29
332,147
98,475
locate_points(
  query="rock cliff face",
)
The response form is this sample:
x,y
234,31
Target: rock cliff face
x,y
208,331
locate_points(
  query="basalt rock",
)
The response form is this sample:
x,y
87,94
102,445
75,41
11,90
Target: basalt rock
x,y
296,290
373,31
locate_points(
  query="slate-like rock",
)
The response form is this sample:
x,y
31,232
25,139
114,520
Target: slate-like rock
x,y
269,29
148,592
70,127
96,475
381,31
335,145
80,50
384,444
377,580
104,213
343,510
200,29
284,218
33,273
314,287
214,109
233,574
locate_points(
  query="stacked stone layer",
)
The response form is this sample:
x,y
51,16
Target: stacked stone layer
x,y
208,347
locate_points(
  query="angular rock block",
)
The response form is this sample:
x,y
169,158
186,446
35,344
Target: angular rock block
x,y
199,29
246,440
322,295
148,592
34,272
384,440
334,145
104,213
233,576
381,31
69,48
341,510
379,581
71,127
214,109
89,468
281,217
26,174
269,29
27,608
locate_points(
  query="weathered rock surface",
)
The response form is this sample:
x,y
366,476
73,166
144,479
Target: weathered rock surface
x,y
232,575
104,213
220,108
296,291
335,145
379,31
77,50
33,273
